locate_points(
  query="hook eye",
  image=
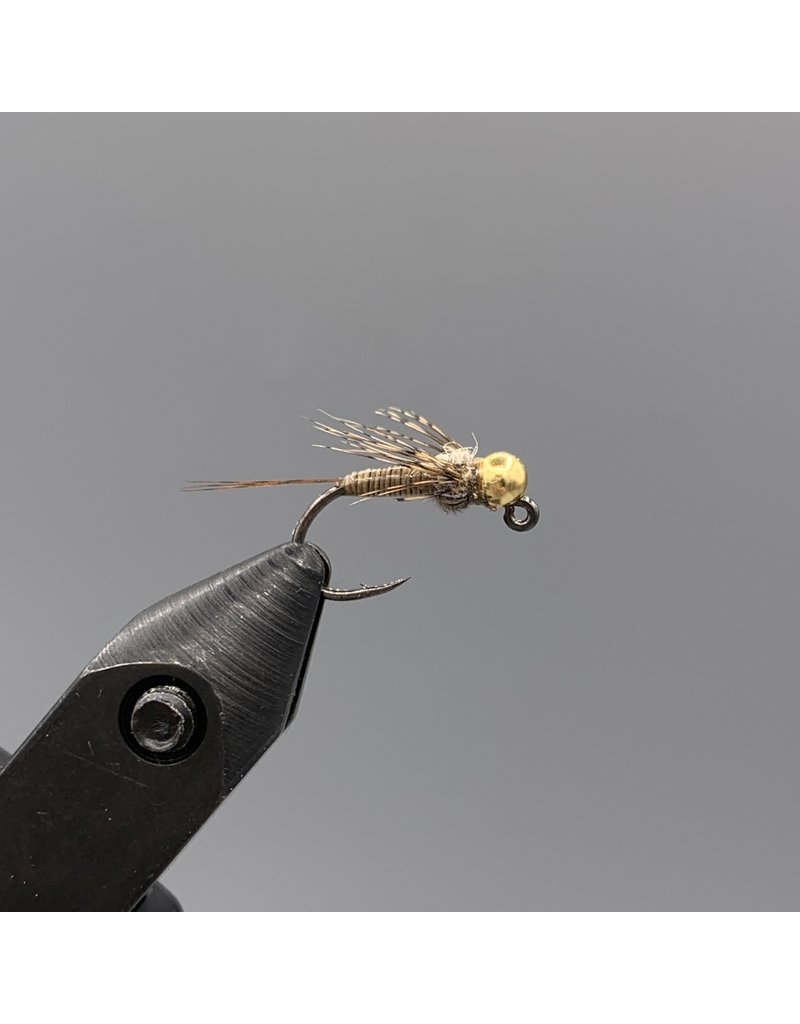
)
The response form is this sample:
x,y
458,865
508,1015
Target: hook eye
x,y
529,518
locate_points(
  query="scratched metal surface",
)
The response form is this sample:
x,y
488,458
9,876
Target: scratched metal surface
x,y
246,629
88,824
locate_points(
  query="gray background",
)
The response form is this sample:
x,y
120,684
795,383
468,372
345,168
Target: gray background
x,y
600,714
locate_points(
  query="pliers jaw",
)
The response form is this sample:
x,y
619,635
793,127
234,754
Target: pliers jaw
x,y
155,732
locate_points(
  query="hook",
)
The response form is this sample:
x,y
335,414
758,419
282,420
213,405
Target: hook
x,y
530,514
299,536
530,517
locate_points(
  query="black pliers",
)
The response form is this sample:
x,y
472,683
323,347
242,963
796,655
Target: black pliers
x,y
153,735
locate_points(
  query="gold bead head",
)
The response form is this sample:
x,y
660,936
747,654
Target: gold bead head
x,y
502,478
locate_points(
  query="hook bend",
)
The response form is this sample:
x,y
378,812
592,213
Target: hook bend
x,y
299,536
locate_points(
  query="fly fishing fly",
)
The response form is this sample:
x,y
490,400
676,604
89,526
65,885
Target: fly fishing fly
x,y
426,464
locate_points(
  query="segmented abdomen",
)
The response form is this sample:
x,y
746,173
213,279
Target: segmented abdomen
x,y
395,481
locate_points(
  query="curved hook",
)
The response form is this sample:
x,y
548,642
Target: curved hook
x,y
530,514
299,536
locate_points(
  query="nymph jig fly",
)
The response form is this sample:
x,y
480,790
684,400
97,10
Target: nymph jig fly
x,y
427,464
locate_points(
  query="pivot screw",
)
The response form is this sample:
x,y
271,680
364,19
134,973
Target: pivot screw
x,y
163,720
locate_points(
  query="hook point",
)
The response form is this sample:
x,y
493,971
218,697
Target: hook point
x,y
359,593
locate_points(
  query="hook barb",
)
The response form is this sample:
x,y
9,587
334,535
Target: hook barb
x,y
299,536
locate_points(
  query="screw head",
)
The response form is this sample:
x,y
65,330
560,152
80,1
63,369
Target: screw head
x,y
163,720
